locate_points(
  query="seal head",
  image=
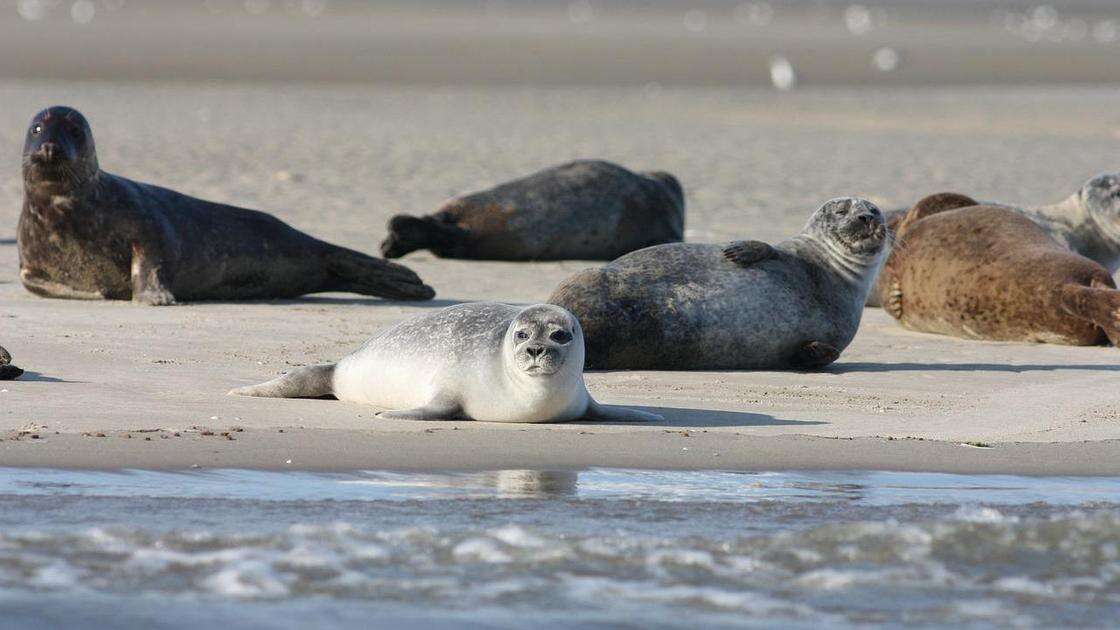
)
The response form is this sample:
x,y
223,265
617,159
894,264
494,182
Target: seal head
x,y
543,339
59,156
1100,196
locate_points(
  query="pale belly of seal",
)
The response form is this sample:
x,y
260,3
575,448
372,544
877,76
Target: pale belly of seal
x,y
686,307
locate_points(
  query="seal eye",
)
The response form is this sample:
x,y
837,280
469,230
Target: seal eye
x,y
561,336
521,335
36,129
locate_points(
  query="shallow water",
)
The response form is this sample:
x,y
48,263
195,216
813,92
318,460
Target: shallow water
x,y
601,547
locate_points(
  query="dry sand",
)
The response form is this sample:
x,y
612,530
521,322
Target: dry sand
x,y
337,161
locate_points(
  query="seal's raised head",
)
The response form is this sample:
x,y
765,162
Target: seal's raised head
x,y
1100,196
544,339
59,150
856,225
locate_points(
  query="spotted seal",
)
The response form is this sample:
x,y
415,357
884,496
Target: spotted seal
x,y
1087,222
87,234
745,305
481,361
587,210
990,272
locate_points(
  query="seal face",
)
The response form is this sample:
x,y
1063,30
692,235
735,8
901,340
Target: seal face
x,y
587,210
87,234
8,371
480,361
744,305
989,272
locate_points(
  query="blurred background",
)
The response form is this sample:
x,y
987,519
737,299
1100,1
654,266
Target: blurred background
x,y
783,43
336,114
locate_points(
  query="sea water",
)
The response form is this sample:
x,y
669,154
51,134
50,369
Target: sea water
x,y
596,548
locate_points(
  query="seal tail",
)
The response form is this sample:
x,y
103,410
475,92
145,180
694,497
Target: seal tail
x,y
313,381
356,272
408,234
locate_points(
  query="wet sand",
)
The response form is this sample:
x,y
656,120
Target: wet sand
x,y
338,161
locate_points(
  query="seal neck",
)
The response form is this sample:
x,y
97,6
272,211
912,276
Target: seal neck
x,y
1071,224
853,268
51,193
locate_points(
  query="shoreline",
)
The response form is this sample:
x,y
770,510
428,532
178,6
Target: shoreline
x,y
460,449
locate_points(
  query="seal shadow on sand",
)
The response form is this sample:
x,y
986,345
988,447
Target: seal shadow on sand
x,y
680,417
331,300
7,241
871,366
36,377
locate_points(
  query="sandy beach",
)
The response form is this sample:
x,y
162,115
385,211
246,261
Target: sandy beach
x,y
114,385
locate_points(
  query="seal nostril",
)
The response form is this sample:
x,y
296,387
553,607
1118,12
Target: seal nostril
x,y
535,351
49,150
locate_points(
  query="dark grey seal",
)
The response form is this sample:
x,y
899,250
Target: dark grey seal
x,y
7,370
86,234
745,305
583,210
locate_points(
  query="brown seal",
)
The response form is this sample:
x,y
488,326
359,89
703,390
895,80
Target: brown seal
x,y
582,210
86,234
7,370
988,272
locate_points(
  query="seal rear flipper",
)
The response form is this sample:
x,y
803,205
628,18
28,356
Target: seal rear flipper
x,y
440,408
1098,304
358,273
9,372
408,234
313,381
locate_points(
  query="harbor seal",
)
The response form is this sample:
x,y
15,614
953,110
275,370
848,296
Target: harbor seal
x,y
480,361
586,210
87,234
1087,222
989,272
746,305
8,371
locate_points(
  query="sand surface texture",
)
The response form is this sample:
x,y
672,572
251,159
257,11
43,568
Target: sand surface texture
x,y
338,161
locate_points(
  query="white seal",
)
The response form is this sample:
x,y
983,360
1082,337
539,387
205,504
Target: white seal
x,y
481,361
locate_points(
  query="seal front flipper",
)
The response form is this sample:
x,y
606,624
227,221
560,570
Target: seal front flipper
x,y
746,253
440,408
408,234
47,288
815,355
359,273
610,413
148,285
313,381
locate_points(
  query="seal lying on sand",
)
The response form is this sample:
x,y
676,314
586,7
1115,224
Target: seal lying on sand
x,y
482,361
1087,222
86,234
587,210
746,305
989,272
7,370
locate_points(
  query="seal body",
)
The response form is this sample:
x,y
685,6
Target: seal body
x,y
989,272
84,233
7,370
1087,222
481,361
746,305
588,209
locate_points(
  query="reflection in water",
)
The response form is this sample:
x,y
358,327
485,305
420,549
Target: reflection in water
x,y
535,484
